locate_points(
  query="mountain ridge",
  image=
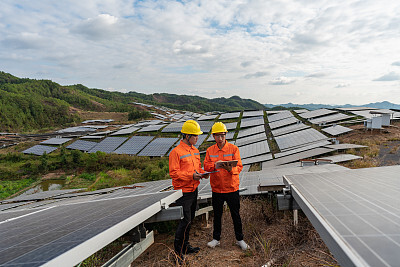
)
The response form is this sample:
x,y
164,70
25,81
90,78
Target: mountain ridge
x,y
379,105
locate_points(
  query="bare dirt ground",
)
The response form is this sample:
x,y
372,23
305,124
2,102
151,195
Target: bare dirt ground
x,y
271,235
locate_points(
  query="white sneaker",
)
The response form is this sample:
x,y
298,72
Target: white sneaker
x,y
242,245
213,243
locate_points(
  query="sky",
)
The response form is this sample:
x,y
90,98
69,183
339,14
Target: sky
x,y
274,52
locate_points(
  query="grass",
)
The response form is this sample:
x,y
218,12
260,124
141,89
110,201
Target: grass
x,y
8,188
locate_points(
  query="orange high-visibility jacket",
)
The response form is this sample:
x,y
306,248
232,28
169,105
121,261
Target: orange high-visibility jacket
x,y
184,160
223,181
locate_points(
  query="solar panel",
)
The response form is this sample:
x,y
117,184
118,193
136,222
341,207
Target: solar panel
x,y
102,133
65,235
232,115
158,147
298,111
56,141
40,195
255,159
231,125
207,117
251,139
251,131
82,145
206,126
354,213
126,131
296,157
93,137
336,130
341,158
200,141
299,138
289,129
254,149
316,113
108,145
253,113
76,129
284,122
280,116
134,145
303,148
330,118
173,127
345,146
39,150
229,136
254,121
151,128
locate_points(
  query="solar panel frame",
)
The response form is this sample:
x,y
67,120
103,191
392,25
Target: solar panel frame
x,y
280,116
173,127
133,145
341,158
39,150
151,128
330,118
251,139
255,121
108,145
299,138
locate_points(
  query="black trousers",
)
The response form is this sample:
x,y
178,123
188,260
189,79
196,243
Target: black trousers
x,y
189,204
233,201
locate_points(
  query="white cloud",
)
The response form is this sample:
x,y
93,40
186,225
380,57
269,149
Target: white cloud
x,y
102,27
257,74
392,76
282,81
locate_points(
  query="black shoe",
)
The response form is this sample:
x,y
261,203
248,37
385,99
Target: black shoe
x,y
189,249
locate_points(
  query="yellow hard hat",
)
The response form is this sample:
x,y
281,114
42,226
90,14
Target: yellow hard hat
x,y
218,127
191,127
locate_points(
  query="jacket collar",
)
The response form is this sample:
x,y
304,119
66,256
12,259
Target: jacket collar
x,y
186,146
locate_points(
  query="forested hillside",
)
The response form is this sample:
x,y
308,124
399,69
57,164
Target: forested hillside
x,y
29,104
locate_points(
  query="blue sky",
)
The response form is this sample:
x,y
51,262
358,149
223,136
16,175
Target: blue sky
x,y
332,52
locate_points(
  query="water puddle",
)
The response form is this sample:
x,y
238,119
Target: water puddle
x,y
46,185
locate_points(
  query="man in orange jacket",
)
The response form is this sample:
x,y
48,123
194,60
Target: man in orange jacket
x,y
185,171
224,184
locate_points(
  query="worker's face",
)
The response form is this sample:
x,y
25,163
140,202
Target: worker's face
x,y
193,139
220,138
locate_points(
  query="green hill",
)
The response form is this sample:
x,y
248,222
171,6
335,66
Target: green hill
x,y
29,104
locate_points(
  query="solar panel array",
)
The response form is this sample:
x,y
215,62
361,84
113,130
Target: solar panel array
x,y
40,195
330,118
94,137
134,145
231,125
316,113
254,121
200,141
151,128
56,141
298,111
251,131
336,130
345,146
289,129
232,115
299,138
126,131
82,145
254,149
39,150
76,129
251,139
284,122
356,212
253,113
158,147
324,143
108,145
280,116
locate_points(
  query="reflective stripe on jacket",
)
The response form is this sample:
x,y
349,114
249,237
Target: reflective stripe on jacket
x,y
223,181
184,160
